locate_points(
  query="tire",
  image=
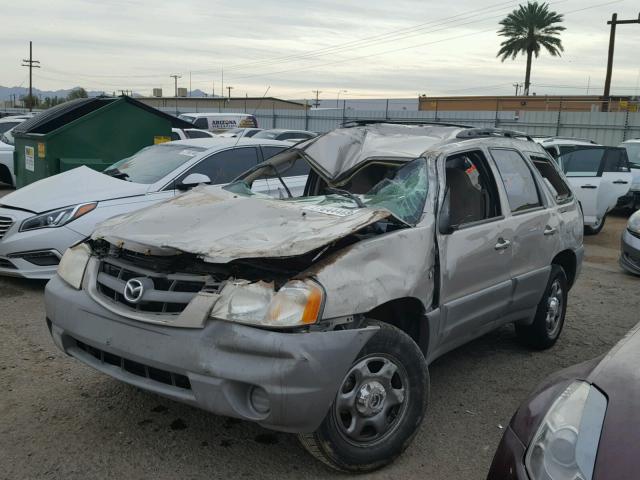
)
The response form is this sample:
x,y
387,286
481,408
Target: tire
x,y
379,429
588,230
549,320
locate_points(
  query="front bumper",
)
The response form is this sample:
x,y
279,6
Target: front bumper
x,y
223,362
508,462
19,250
630,252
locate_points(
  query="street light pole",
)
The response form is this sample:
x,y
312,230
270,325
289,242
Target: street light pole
x,y
338,99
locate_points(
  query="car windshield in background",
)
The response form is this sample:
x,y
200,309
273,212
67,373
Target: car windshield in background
x,y
403,193
6,126
186,118
153,163
268,135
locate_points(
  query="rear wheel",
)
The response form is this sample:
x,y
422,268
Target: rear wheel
x,y
597,228
549,320
378,408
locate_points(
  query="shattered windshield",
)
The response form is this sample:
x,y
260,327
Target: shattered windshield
x,y
402,191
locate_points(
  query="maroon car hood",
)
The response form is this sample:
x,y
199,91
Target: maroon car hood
x,y
618,377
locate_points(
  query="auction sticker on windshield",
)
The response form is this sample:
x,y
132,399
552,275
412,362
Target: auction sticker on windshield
x,y
29,154
337,211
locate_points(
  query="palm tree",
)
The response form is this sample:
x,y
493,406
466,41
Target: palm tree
x,y
529,28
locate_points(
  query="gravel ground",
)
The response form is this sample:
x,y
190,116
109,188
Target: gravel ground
x,y
60,419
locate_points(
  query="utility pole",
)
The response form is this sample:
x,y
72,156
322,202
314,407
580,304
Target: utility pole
x,y
612,40
317,102
31,63
175,80
229,88
189,85
517,85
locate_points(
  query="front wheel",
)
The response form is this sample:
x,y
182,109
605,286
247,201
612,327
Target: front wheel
x,y
549,320
378,408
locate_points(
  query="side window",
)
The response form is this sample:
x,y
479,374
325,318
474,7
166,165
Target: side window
x,y
471,194
225,166
201,122
517,179
552,178
197,134
174,136
582,163
268,152
615,160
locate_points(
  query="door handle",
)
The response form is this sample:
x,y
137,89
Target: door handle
x,y
502,244
620,182
589,186
549,230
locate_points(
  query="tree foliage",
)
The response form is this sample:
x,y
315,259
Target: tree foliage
x,y
78,92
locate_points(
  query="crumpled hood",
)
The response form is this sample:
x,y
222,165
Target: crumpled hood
x,y
75,186
221,226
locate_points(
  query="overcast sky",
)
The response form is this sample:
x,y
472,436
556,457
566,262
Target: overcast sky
x,y
398,48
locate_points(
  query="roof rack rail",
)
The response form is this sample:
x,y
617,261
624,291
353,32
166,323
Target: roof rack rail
x,y
360,123
561,137
491,132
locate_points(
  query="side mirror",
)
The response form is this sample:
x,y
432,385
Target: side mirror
x,y
192,180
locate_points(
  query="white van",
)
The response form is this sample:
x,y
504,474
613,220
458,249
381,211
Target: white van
x,y
220,122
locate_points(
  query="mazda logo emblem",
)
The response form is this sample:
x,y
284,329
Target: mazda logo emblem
x,y
133,290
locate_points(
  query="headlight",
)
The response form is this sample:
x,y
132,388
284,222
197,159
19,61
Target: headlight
x,y
297,303
634,223
57,218
73,264
566,443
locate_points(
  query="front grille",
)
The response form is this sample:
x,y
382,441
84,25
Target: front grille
x,y
6,264
43,258
167,293
139,369
632,233
5,225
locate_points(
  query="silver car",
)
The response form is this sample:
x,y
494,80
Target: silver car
x,y
40,221
318,312
630,248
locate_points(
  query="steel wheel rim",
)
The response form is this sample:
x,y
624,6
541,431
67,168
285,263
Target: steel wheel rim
x,y
372,400
598,223
554,308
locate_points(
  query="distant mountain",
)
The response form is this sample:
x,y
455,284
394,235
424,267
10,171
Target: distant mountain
x,y
6,93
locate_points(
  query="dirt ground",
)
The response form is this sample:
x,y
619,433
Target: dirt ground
x,y
61,419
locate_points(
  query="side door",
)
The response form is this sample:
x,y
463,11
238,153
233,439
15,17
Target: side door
x,y
474,250
533,227
616,176
582,168
223,167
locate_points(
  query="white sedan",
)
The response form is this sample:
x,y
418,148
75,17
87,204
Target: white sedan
x,y
40,221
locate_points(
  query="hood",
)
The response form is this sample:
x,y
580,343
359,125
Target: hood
x,y
79,185
221,226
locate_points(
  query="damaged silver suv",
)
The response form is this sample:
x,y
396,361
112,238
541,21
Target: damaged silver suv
x,y
318,314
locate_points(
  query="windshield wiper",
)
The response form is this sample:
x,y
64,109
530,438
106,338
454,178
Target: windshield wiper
x,y
347,194
114,172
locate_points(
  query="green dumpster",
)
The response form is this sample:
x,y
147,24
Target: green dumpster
x,y
95,132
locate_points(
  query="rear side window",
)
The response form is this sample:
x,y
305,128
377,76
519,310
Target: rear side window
x,y
553,179
201,123
268,152
582,163
175,136
517,179
615,160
